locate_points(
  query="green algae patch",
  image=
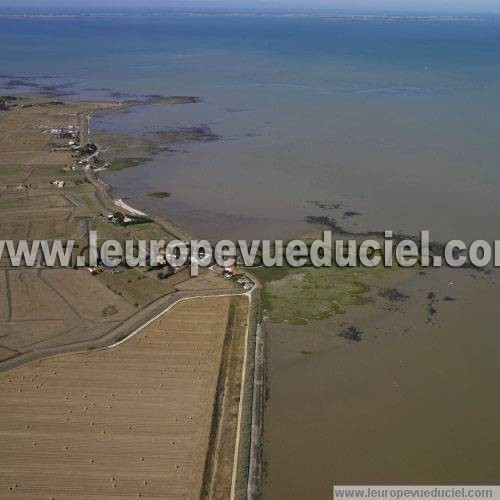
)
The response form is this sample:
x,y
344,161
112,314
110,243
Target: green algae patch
x,y
159,194
298,296
122,163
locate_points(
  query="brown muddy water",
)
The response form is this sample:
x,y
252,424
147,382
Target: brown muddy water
x,y
416,400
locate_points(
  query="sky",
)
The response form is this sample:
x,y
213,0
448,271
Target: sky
x,y
358,5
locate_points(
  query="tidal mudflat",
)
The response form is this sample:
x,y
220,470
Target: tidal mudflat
x,y
403,387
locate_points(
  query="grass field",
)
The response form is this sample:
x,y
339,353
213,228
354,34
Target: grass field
x,y
219,471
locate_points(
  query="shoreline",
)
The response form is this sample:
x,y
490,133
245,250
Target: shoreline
x,y
255,364
127,329
120,203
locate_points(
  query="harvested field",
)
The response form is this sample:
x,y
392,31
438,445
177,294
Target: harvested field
x,y
4,302
33,300
51,307
90,298
6,353
16,231
129,422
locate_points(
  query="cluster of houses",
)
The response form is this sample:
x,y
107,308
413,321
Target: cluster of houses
x,y
162,262
70,132
94,270
87,150
232,272
77,135
78,142
120,219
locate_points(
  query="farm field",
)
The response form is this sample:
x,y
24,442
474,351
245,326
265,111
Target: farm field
x,y
49,307
129,422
